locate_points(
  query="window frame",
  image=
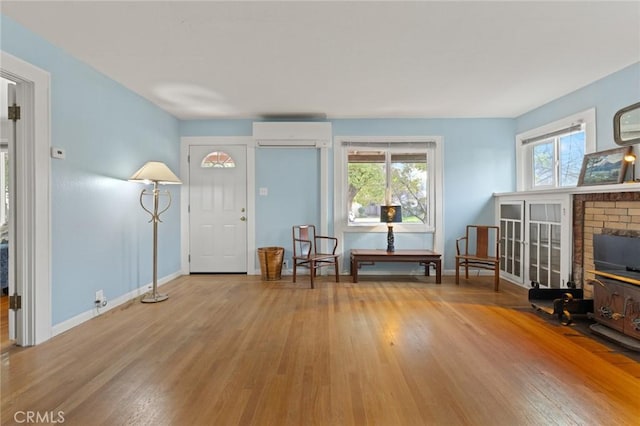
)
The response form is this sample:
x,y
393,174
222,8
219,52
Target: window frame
x,y
524,156
434,182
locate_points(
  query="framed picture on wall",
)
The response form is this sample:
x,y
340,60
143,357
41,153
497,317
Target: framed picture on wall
x,y
604,167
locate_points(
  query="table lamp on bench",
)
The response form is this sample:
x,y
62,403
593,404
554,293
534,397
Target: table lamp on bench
x,y
390,215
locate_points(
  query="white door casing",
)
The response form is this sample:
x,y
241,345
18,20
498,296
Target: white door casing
x,y
15,321
217,211
32,199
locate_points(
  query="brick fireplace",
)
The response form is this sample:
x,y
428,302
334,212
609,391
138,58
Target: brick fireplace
x,y
615,213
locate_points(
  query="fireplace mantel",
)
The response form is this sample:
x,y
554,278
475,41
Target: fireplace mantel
x,y
594,189
615,277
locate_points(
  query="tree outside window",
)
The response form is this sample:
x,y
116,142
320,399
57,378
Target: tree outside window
x,y
557,160
378,176
571,154
543,164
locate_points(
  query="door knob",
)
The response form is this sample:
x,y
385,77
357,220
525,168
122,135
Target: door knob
x,y
243,218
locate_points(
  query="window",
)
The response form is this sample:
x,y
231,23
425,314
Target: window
x,y
217,159
378,177
395,172
556,161
551,156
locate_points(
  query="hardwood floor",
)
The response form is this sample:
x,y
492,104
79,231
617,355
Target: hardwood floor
x,y
4,321
227,350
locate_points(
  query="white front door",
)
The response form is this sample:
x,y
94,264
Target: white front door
x,y
217,209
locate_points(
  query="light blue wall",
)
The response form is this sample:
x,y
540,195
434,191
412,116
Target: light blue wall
x,y
479,160
607,95
292,177
100,236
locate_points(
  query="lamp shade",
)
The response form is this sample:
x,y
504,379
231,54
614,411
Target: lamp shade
x,y
155,171
390,214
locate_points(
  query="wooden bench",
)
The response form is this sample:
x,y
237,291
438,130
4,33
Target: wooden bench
x,y
423,257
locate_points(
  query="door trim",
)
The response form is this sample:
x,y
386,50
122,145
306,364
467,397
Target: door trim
x,y
33,237
249,143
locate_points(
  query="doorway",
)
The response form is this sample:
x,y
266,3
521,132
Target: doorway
x,y
7,150
30,217
228,144
218,209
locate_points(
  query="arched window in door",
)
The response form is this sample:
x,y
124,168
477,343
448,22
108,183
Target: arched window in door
x,y
217,159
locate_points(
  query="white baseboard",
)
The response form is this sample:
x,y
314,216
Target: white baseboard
x,y
95,312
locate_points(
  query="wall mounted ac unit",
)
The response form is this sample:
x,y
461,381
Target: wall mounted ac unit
x,y
292,134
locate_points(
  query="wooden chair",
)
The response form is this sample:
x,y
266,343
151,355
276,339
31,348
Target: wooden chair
x,y
484,255
306,251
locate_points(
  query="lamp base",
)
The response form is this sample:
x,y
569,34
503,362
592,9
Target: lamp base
x,y
390,240
154,298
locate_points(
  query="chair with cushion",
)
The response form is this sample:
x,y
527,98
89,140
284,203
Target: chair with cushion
x,y
481,250
307,251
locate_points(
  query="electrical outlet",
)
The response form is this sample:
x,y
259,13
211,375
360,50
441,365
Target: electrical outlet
x,y
100,300
285,263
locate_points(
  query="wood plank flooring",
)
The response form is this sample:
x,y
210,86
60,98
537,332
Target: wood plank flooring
x,y
4,321
233,350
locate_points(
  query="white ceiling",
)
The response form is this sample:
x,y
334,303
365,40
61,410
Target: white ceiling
x,y
211,59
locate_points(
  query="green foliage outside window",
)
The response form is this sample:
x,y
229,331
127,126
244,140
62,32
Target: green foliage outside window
x,y
369,175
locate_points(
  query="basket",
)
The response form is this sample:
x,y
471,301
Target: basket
x,y
271,262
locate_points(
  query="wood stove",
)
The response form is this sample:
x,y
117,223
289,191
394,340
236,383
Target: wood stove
x,y
616,288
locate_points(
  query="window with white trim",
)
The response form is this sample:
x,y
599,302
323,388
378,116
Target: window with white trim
x,y
551,156
380,173
217,159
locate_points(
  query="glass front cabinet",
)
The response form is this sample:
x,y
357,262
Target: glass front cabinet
x,y
535,239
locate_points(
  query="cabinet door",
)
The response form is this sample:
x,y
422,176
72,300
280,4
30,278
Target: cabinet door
x,y
535,239
548,248
608,303
511,240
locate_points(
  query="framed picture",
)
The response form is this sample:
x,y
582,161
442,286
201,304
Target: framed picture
x,y
604,167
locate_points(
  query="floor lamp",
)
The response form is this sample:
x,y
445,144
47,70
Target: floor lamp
x,y
157,173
